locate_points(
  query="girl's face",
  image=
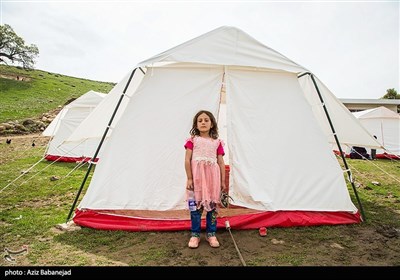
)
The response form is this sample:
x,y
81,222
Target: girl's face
x,y
204,123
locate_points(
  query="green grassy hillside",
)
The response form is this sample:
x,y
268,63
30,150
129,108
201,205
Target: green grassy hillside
x,y
28,94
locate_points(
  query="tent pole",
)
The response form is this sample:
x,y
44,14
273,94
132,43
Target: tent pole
x,y
338,144
100,144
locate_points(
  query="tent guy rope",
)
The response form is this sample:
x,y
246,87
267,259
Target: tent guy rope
x,y
228,227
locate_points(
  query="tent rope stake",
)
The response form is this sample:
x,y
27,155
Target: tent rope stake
x,y
228,227
100,144
338,144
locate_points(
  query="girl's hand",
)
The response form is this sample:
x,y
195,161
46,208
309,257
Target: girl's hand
x,y
189,184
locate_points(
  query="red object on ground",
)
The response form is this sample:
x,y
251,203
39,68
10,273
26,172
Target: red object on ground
x,y
262,231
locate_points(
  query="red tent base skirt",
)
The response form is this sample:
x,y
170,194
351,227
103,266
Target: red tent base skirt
x,y
239,218
378,156
68,159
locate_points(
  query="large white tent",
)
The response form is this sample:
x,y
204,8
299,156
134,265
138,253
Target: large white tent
x,y
66,121
274,107
385,125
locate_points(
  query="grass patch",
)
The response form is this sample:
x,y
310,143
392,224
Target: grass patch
x,y
287,259
39,91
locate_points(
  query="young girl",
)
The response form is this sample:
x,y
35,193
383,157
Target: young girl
x,y
205,170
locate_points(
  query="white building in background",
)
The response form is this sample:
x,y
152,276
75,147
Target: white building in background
x,y
356,105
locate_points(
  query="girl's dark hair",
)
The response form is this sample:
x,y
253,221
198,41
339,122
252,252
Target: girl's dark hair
x,y
214,129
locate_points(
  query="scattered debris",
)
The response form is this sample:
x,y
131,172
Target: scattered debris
x,y
17,252
69,226
9,254
337,246
45,239
375,183
389,195
275,241
8,258
54,178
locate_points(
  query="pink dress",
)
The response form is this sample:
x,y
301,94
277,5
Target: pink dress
x,y
205,170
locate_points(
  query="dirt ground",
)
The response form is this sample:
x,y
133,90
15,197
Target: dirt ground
x,y
367,244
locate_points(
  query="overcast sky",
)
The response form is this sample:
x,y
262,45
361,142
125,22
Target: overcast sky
x,y
353,47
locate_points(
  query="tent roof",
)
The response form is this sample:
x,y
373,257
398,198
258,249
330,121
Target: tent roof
x,y
89,99
229,46
377,113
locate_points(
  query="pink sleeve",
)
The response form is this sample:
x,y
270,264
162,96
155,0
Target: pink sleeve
x,y
189,144
220,149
